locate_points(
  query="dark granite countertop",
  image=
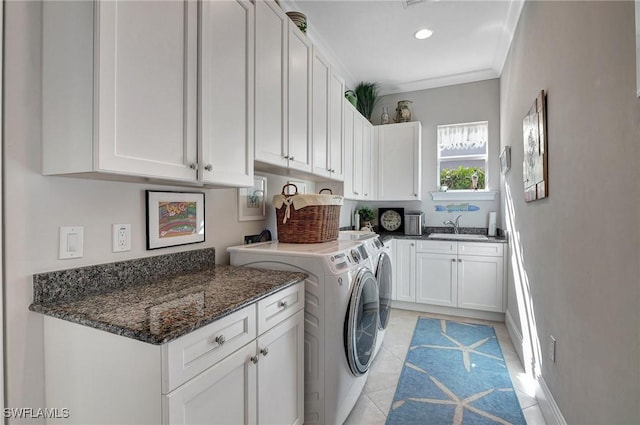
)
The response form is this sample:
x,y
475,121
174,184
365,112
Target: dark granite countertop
x,y
464,230
163,309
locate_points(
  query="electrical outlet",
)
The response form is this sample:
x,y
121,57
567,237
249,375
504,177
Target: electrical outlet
x,y
121,237
552,348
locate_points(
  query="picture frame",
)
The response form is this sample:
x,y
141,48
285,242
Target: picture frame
x,y
174,218
252,200
534,165
505,160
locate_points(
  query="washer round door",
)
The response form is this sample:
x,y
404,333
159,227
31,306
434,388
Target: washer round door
x,y
384,276
361,325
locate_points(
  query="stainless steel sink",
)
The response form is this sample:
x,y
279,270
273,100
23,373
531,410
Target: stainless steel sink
x,y
458,237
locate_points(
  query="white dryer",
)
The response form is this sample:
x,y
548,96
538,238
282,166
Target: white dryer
x,y
380,265
341,319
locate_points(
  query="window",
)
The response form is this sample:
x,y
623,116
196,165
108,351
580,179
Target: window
x,y
462,156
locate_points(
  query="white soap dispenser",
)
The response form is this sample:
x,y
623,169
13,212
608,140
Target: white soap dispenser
x,y
492,223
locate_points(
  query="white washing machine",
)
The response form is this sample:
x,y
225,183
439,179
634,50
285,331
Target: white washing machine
x,y
341,319
380,265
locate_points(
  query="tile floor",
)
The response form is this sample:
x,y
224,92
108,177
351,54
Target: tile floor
x,y
375,401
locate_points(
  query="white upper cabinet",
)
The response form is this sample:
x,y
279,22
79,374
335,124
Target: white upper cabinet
x,y
359,155
272,30
400,161
120,90
327,95
336,125
226,101
299,100
283,91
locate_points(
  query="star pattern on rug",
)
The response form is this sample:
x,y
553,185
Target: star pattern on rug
x,y
466,350
454,400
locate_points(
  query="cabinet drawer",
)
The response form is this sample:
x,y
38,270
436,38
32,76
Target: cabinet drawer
x,y
189,355
279,306
437,247
482,248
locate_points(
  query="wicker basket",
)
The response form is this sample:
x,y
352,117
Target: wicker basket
x,y
310,224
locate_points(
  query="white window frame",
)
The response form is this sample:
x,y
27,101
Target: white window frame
x,y
484,157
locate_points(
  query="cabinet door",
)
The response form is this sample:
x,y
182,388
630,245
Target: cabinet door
x,y
367,161
436,279
320,113
405,270
223,394
357,183
349,120
480,282
272,29
399,156
147,88
336,116
281,373
226,101
299,99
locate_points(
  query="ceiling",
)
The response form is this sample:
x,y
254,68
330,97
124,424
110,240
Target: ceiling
x,y
372,40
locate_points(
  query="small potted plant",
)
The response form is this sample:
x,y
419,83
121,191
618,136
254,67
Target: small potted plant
x,y
366,216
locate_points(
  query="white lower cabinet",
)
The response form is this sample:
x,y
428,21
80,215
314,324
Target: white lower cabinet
x,y
246,368
450,274
260,383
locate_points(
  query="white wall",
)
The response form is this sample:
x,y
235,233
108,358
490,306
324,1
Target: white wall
x,y
575,263
36,205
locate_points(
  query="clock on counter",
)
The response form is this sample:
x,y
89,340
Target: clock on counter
x,y
391,219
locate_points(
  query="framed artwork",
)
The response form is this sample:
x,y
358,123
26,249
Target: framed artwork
x,y
505,159
174,218
251,200
534,167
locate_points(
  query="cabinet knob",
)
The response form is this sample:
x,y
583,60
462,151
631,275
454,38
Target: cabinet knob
x,y
286,157
208,167
356,193
264,351
282,304
415,194
193,165
459,260
411,244
291,158
453,260
220,339
254,359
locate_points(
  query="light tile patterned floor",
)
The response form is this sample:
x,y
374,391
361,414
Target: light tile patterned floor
x,y
375,401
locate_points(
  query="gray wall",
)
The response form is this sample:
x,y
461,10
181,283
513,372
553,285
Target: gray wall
x,y
576,254
460,103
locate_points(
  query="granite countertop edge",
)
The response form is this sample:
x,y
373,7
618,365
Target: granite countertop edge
x,y
55,310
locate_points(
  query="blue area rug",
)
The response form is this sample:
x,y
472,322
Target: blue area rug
x,y
454,373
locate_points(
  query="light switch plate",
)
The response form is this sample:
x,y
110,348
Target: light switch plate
x,y
71,242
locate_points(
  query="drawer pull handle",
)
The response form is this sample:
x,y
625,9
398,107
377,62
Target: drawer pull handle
x,y
220,339
254,359
282,304
264,351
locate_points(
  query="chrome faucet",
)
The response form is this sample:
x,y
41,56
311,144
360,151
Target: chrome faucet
x,y
455,224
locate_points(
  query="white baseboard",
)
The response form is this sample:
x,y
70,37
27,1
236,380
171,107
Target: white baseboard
x,y
449,311
515,335
548,406
550,410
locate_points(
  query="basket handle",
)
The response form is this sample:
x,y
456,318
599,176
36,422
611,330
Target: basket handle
x,y
289,184
326,188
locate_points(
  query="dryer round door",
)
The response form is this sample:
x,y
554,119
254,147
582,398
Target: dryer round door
x,y
361,325
384,276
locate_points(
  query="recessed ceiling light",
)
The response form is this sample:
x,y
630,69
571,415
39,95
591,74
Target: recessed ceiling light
x,y
423,34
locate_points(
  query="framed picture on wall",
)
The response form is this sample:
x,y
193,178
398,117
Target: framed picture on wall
x,y
174,218
251,200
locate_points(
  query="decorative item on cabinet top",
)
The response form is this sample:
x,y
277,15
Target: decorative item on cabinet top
x,y
300,19
352,97
404,111
367,98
